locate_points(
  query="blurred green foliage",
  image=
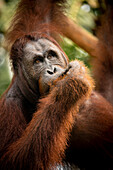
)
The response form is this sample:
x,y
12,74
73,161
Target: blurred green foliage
x,y
75,52
7,9
82,12
4,72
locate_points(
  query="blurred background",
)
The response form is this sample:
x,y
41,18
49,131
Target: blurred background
x,y
83,13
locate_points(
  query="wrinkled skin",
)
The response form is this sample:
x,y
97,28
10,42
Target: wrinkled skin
x,y
43,63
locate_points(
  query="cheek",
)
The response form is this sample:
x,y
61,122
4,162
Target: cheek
x,y
44,85
29,71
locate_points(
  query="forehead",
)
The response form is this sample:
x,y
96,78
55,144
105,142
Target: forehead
x,y
40,45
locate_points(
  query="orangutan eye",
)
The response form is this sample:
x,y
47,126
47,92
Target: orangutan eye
x,y
38,59
52,54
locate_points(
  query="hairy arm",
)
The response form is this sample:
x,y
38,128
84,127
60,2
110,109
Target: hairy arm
x,y
45,138
12,121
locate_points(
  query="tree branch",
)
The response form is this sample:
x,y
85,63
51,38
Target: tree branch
x,y
80,36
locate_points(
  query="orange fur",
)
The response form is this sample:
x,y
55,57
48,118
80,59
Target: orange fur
x,y
45,138
35,16
34,133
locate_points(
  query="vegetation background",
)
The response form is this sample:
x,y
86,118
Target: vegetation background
x,y
83,13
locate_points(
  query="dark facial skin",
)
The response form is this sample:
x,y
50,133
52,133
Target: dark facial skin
x,y
43,62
